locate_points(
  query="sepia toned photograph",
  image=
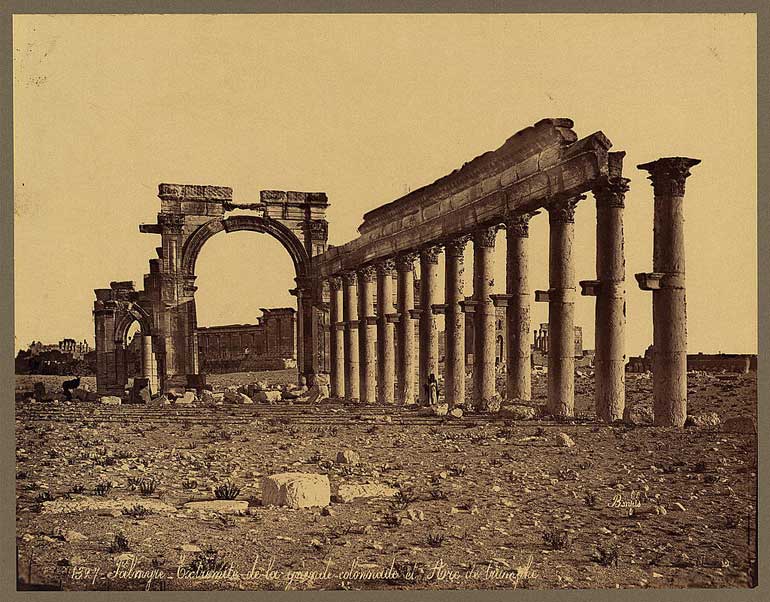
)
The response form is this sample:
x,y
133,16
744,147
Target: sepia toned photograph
x,y
385,301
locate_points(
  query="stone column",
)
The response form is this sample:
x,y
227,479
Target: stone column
x,y
454,348
386,358
336,344
484,317
560,343
300,337
147,359
667,283
428,348
350,317
366,333
519,376
610,292
405,332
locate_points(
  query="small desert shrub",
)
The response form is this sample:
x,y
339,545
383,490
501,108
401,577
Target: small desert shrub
x,y
457,471
147,486
133,482
227,491
44,496
439,494
208,560
556,539
606,556
119,543
435,539
732,521
700,466
77,488
102,488
136,511
21,475
710,478
590,499
189,484
403,498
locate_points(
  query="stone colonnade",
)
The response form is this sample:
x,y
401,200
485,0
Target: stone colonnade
x,y
363,339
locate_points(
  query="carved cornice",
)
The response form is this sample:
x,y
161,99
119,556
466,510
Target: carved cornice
x,y
485,237
430,254
518,224
368,273
562,211
386,267
405,261
456,246
668,175
611,193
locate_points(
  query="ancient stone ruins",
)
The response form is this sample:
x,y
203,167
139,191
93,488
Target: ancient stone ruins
x,y
368,356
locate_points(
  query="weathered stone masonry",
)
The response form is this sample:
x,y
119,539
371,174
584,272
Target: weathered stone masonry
x,y
543,167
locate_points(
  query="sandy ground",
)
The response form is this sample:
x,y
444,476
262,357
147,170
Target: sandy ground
x,y
484,502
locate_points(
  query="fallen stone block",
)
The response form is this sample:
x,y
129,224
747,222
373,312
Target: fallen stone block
x,y
296,490
348,456
740,424
220,506
564,440
188,398
268,396
518,412
347,492
456,412
110,400
100,504
637,414
703,420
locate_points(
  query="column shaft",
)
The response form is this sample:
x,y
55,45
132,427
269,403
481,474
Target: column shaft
x,y
350,317
610,323
561,309
386,358
336,343
519,378
366,334
147,371
405,333
454,348
484,317
669,312
428,348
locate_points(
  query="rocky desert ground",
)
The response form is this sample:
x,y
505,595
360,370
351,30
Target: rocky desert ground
x,y
103,494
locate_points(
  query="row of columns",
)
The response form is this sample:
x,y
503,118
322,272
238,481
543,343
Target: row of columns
x,y
360,339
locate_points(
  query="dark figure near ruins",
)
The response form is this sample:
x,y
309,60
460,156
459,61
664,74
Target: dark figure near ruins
x,y
431,390
68,385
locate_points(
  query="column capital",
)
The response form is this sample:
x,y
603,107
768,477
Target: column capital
x,y
386,267
562,211
456,246
430,253
405,261
367,273
518,224
611,192
485,237
668,174
335,283
349,278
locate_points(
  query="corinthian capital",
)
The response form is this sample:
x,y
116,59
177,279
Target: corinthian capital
x,y
669,174
456,246
387,267
368,273
405,261
485,237
430,254
349,278
611,192
335,283
518,224
563,210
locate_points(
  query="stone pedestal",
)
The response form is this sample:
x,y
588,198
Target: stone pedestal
x,y
454,348
366,334
518,357
428,347
561,308
405,333
484,317
386,358
350,318
667,283
336,336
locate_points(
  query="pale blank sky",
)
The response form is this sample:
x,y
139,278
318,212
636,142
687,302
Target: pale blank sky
x,y
365,107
